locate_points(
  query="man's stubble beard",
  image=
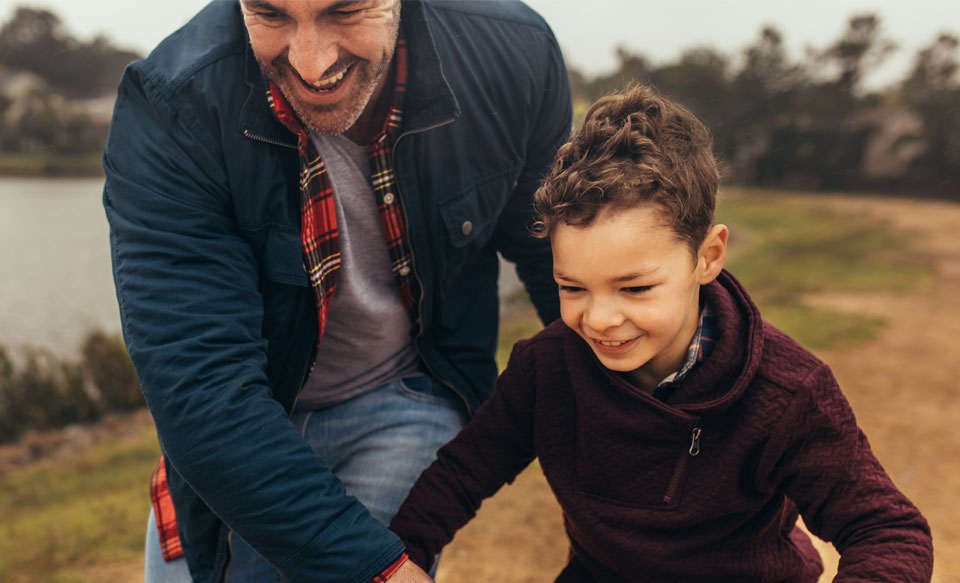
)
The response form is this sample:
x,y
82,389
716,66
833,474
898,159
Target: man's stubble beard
x,y
335,119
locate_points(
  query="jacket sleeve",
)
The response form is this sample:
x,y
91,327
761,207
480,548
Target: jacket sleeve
x,y
495,446
843,493
187,285
551,116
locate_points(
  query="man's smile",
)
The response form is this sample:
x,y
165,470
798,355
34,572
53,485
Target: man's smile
x,y
331,82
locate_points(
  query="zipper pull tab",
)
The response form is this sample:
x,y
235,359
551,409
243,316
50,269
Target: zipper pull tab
x,y
695,441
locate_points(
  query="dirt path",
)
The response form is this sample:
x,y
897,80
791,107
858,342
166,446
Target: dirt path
x,y
904,387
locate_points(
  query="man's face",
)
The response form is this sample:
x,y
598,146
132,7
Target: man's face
x,y
328,57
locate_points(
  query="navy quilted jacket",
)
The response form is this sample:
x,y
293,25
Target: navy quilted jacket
x,y
203,203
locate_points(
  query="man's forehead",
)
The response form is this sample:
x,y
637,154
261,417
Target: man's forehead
x,y
317,5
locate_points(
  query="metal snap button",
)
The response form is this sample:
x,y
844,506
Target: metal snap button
x,y
388,198
404,271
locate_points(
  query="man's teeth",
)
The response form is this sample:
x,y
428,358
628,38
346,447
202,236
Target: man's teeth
x,y
613,343
333,79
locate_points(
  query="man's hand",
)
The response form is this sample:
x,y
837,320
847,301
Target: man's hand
x,y
409,572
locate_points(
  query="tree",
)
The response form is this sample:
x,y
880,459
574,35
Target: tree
x,y
35,40
932,90
861,49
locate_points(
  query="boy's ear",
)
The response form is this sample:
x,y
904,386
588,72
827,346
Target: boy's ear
x,y
712,253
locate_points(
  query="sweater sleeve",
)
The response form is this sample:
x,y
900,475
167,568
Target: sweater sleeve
x,y
490,451
826,467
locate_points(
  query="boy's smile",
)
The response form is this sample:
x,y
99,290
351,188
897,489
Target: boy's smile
x,y
630,288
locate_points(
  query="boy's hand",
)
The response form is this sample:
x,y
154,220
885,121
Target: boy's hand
x,y
409,572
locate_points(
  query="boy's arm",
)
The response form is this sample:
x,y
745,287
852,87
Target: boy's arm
x,y
490,451
826,467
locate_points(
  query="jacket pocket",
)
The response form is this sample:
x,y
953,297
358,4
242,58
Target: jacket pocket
x,y
470,217
282,258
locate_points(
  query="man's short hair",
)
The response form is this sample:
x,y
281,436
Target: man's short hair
x,y
634,148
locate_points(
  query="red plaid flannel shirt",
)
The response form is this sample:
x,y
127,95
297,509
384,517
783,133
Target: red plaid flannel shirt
x,y
321,249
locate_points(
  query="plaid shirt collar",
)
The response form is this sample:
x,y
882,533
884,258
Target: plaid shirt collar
x,y
319,230
702,344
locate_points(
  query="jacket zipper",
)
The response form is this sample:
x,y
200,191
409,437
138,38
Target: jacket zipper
x,y
257,138
406,219
311,360
692,451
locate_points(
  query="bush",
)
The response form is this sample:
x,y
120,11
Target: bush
x,y
107,365
45,392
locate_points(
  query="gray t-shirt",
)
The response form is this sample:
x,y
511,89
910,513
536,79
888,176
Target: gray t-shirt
x,y
368,339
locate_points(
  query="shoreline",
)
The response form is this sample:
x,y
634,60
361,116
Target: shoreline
x,y
17,165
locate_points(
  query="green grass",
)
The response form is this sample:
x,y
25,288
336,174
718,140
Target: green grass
x,y
58,520
785,246
50,165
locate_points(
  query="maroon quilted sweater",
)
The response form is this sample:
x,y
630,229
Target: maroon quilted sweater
x,y
704,487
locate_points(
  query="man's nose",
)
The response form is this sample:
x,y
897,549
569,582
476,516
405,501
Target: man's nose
x,y
312,51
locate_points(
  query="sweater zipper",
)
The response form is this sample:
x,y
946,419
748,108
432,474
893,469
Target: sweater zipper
x,y
692,451
406,219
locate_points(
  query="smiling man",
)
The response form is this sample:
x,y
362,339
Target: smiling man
x,y
306,201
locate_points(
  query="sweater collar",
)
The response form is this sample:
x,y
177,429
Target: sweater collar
x,y
720,380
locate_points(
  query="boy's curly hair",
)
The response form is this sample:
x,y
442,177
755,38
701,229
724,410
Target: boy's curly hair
x,y
634,148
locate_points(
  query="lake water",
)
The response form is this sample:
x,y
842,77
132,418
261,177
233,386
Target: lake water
x,y
55,278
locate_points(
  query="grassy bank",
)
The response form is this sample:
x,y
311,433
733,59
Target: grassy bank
x,y
47,165
785,247
60,519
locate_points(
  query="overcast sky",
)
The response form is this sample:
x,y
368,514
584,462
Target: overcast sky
x,y
589,30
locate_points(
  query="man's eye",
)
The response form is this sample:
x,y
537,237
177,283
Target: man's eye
x,y
269,15
639,289
347,14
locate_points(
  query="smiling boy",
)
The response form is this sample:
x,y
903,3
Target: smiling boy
x,y
681,434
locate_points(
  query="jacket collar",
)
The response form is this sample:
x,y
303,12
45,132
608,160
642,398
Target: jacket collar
x,y
429,102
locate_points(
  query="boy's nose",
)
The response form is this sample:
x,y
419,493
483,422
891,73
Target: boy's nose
x,y
602,316
312,52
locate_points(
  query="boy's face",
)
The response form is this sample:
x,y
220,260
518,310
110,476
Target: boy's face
x,y
631,289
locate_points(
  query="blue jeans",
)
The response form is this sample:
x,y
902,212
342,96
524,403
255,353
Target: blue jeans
x,y
377,444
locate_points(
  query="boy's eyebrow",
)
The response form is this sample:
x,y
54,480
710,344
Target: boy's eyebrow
x,y
637,275
618,279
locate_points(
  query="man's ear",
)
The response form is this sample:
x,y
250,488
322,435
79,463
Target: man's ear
x,y
712,253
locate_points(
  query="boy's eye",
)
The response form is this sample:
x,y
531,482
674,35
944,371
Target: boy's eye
x,y
639,289
570,289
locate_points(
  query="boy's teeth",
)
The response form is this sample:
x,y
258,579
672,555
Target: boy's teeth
x,y
611,344
330,80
